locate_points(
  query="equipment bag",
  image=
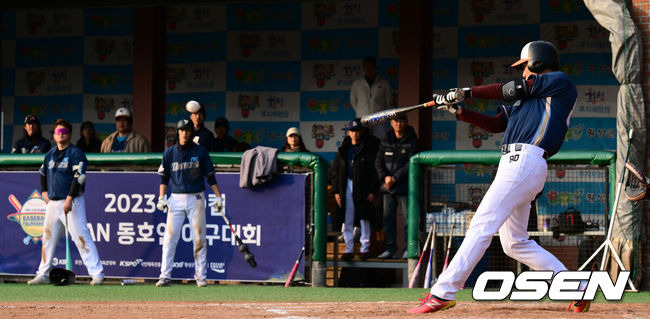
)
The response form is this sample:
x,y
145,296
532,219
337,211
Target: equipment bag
x,y
569,222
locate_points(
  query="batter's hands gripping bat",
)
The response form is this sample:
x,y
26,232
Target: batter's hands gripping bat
x,y
243,248
416,271
451,234
452,97
295,268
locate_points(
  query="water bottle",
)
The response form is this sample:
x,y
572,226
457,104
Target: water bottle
x,y
127,282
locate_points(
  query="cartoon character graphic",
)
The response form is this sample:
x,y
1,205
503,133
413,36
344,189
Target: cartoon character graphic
x,y
478,135
480,70
321,133
33,79
175,75
481,7
323,72
170,136
29,215
564,33
247,103
104,47
34,21
249,42
323,11
104,105
175,16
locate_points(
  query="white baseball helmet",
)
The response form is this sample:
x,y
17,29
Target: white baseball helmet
x,y
122,112
193,106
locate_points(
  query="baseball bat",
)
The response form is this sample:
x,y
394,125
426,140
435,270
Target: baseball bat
x,y
427,276
243,248
416,271
438,100
295,268
68,258
15,202
451,234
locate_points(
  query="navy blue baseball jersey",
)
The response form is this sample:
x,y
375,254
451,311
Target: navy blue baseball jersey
x,y
542,119
187,169
59,166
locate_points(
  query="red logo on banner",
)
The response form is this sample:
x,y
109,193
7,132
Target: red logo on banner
x,y
321,133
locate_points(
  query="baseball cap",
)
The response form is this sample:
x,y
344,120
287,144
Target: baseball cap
x,y
32,119
122,112
221,121
354,125
293,130
400,116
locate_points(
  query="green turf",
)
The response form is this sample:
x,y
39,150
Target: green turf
x,y
20,292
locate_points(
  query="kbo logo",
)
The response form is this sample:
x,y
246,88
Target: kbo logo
x,y
565,285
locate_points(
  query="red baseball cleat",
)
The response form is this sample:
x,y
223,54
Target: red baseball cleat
x,y
580,306
431,303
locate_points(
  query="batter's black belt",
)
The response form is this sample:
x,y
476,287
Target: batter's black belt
x,y
57,198
507,148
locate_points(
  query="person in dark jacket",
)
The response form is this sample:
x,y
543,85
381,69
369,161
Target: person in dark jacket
x,y
355,185
88,142
225,142
392,166
202,136
32,141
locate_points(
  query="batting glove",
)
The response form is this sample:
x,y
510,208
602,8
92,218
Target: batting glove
x,y
451,108
218,204
162,203
454,96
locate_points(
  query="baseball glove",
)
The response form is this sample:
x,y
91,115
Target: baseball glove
x,y
61,277
637,184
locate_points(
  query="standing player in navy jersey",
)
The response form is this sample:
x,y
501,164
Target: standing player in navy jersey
x,y
535,122
63,175
187,165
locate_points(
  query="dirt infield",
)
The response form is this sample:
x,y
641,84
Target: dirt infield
x,y
311,310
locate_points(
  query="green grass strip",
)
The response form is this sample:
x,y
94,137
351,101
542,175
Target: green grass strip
x,y
20,292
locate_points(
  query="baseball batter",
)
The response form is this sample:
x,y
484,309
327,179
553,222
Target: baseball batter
x,y
535,121
63,175
187,165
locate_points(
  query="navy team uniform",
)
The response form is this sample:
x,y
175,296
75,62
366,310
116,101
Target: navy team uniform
x,y
187,167
59,168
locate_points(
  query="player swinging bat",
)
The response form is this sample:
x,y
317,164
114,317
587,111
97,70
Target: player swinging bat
x,y
452,97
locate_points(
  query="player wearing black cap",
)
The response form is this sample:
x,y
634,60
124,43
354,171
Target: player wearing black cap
x,y
32,141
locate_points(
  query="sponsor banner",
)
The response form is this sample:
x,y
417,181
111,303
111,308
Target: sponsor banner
x,y
49,23
263,106
481,71
445,42
331,75
596,101
8,29
445,13
443,135
445,74
482,13
271,134
196,77
197,47
388,43
334,44
263,76
588,68
590,134
108,50
196,19
8,87
263,46
273,16
333,105
389,13
100,108
561,11
60,80
108,22
323,136
495,41
128,229
577,36
213,103
8,53
388,69
48,108
587,197
470,137
7,108
339,14
108,79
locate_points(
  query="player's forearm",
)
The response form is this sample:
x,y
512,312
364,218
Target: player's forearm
x,y
215,190
492,124
163,190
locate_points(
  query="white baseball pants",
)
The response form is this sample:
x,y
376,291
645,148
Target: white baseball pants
x,y
191,206
54,228
505,208
348,226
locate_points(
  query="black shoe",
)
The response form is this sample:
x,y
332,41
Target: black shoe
x,y
347,257
364,256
